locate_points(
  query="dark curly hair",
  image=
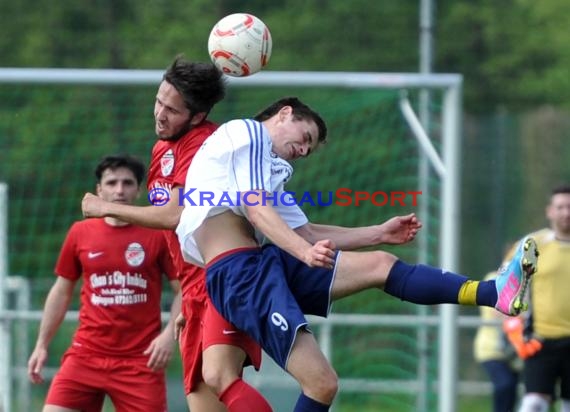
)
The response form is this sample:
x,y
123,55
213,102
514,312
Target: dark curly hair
x,y
201,85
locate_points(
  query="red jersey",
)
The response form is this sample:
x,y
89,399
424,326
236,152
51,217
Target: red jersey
x,y
122,268
168,167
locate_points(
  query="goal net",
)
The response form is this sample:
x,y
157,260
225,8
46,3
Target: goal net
x,y
55,125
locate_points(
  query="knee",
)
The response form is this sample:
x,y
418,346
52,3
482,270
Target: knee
x,y
383,263
329,385
330,388
534,402
218,378
222,365
323,389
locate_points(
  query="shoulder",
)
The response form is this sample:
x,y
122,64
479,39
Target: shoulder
x,y
543,236
86,224
197,134
245,132
243,126
81,230
160,146
206,128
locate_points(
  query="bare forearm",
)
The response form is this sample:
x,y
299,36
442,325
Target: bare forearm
x,y
345,238
154,217
174,311
54,312
268,221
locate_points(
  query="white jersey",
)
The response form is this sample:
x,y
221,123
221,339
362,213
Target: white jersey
x,y
235,159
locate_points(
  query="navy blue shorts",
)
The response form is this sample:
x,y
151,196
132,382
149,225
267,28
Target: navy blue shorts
x,y
267,293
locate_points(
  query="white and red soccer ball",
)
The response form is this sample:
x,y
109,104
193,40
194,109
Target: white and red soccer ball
x,y
240,44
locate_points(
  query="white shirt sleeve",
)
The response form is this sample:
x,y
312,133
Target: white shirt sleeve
x,y
290,212
250,161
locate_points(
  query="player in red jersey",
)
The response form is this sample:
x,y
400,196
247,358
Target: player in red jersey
x,y
185,96
118,349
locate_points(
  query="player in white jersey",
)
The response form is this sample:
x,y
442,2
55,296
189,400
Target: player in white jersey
x,y
233,200
210,196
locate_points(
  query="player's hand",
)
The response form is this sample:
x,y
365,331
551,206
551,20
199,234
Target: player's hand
x,y
179,324
160,351
92,206
36,364
525,348
321,254
400,229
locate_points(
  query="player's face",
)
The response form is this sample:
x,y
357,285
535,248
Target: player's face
x,y
171,116
558,212
292,138
118,186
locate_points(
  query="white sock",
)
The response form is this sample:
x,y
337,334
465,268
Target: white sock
x,y
533,402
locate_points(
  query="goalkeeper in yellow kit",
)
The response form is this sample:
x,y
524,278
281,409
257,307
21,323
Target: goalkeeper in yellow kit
x,y
544,339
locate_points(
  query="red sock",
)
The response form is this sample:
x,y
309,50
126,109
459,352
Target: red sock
x,y
241,397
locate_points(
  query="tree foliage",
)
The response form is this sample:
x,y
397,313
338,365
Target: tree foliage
x,y
513,53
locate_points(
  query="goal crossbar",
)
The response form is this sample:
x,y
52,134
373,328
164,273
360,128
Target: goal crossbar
x,y
265,78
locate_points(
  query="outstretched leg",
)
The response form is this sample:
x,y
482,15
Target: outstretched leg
x,y
426,285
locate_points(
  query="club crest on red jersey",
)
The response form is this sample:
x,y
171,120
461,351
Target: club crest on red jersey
x,y
167,163
134,254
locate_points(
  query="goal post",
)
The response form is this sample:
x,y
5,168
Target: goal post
x,y
5,387
443,153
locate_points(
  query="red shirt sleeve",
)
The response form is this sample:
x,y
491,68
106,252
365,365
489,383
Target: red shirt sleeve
x,y
68,264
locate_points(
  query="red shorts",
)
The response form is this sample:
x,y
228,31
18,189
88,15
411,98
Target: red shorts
x,y
83,381
213,329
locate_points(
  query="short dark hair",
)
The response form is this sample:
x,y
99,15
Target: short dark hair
x,y
201,85
300,112
114,162
562,189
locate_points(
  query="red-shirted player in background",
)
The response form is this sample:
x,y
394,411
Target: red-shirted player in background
x,y
187,93
118,349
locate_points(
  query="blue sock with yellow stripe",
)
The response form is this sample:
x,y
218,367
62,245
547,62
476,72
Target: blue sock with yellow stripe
x,y
427,285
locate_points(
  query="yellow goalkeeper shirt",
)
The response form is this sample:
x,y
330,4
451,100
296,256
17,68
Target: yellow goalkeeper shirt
x,y
550,291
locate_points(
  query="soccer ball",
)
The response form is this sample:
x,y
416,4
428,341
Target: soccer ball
x,y
240,44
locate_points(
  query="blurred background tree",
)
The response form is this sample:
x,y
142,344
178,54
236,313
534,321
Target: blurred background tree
x,y
512,53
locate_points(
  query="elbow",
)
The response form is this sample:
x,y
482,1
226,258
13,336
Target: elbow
x,y
255,216
172,218
171,223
